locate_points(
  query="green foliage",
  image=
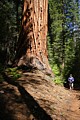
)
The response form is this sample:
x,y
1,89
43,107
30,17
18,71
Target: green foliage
x,y
55,30
1,78
63,39
13,72
58,76
56,70
58,80
8,28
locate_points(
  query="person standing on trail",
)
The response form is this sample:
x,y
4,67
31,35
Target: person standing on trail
x,y
71,81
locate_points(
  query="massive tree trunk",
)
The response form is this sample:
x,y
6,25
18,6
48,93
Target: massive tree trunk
x,y
32,44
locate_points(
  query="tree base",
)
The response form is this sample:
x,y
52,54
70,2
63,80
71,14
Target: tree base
x,y
33,63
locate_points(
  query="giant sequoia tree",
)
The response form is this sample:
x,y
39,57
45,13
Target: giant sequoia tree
x,y
32,44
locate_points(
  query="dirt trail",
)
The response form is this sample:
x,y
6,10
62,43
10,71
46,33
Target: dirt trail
x,y
75,106
36,97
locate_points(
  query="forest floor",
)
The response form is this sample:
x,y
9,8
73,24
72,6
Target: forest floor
x,y
36,97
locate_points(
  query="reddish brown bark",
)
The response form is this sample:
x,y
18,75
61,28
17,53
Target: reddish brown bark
x,y
32,45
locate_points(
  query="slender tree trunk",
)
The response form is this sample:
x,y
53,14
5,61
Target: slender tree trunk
x,y
63,35
32,44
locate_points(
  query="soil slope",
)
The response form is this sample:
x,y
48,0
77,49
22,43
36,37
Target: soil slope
x,y
34,96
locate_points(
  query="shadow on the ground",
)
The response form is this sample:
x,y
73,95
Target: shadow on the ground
x,y
33,106
76,86
7,99
38,112
5,113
